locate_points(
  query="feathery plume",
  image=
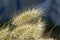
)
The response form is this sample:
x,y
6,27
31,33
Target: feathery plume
x,y
29,26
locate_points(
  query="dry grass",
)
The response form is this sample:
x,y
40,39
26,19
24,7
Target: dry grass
x,y
28,26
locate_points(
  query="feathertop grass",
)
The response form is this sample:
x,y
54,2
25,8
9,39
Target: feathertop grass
x,y
29,26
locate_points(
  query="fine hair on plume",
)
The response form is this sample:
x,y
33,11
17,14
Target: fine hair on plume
x,y
29,25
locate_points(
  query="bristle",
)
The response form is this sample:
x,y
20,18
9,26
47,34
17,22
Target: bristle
x,y
27,16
